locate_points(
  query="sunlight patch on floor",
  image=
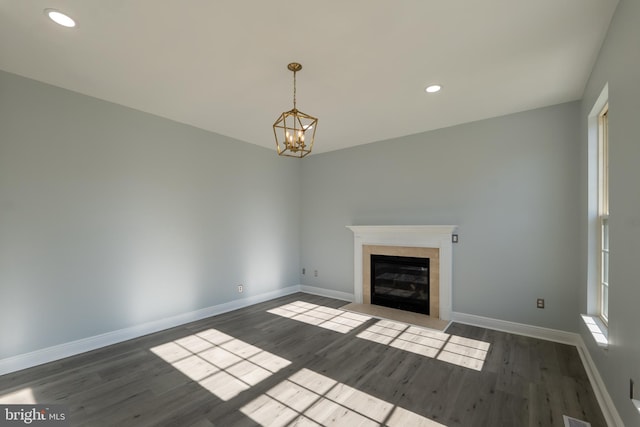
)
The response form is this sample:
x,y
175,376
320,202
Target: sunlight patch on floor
x,y
220,363
19,397
311,399
449,348
325,317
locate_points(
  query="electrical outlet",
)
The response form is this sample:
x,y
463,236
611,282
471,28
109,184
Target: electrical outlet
x,y
240,289
540,303
315,273
454,238
304,271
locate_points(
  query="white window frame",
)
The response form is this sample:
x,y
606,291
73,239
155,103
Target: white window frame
x,y
603,213
598,222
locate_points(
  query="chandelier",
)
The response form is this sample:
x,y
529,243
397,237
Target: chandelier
x,y
295,130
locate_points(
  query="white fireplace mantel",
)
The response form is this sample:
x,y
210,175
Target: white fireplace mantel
x,y
424,236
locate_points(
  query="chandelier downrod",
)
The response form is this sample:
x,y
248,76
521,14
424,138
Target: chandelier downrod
x,y
295,67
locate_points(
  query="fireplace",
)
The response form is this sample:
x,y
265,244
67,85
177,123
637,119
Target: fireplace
x,y
400,282
418,241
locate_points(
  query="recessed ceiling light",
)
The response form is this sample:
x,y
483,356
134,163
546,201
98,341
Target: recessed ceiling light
x,y
433,88
60,18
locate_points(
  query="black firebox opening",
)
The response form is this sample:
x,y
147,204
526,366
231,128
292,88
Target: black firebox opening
x,y
400,282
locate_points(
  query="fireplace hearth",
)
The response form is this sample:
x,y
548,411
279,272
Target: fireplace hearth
x,y
400,282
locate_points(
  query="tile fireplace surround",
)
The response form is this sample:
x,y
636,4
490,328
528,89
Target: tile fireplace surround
x,y
405,240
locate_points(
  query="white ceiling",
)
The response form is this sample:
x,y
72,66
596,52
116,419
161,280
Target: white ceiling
x,y
221,65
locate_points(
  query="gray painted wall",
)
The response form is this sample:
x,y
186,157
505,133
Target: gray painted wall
x,y
110,217
510,183
619,65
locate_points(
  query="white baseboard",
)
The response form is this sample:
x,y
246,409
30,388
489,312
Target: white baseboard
x,y
61,351
600,390
343,296
517,328
609,410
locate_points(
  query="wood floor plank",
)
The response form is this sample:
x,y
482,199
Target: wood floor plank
x,y
300,360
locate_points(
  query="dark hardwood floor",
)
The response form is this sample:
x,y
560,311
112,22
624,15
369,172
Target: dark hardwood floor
x,y
297,360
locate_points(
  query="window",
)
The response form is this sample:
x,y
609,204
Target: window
x,y
603,212
596,318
